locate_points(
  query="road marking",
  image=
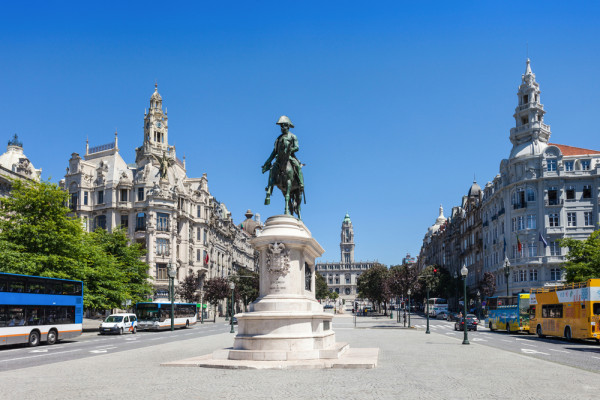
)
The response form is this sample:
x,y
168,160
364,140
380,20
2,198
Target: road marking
x,y
527,344
130,339
531,351
505,340
104,350
450,333
561,351
39,351
41,355
156,338
478,340
598,358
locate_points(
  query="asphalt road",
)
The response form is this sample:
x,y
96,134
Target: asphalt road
x,y
583,354
91,344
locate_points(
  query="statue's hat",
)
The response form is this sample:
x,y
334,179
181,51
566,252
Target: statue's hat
x,y
285,120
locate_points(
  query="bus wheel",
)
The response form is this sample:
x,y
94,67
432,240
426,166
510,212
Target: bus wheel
x,y
491,328
52,336
568,333
508,328
539,332
34,339
187,324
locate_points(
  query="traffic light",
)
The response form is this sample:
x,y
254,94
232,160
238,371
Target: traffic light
x,y
435,270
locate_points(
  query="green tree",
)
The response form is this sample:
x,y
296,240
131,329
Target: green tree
x,y
371,284
322,291
188,289
215,290
583,258
401,278
487,285
246,286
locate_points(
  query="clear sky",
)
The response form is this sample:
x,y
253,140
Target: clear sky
x,y
397,105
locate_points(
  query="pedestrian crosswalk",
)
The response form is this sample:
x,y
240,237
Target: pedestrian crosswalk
x,y
448,326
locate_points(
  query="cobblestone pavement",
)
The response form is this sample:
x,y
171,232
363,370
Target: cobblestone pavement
x,y
411,365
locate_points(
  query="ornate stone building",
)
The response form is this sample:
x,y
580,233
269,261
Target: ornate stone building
x,y
14,164
341,276
544,192
173,216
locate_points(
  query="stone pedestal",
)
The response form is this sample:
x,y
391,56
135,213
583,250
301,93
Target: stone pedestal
x,y
286,322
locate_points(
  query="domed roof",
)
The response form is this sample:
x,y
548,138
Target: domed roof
x,y
474,190
438,223
156,95
347,219
16,161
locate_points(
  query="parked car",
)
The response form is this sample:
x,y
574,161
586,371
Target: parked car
x,y
473,316
453,316
119,323
442,315
471,324
327,306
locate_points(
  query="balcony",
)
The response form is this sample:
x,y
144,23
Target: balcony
x,y
501,212
517,206
555,202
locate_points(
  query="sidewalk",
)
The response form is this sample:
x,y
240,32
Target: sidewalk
x,y
411,365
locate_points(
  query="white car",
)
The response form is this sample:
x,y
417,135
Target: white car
x,y
119,323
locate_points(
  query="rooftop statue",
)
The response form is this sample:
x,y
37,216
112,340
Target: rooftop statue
x,y
286,171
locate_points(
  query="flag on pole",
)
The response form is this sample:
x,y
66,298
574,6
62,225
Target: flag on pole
x,y
543,240
519,244
206,259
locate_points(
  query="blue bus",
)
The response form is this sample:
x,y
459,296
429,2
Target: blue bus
x,y
509,313
34,309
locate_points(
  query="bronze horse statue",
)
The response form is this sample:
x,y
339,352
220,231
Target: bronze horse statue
x,y
286,171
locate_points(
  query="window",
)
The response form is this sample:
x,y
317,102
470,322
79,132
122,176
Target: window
x,y
530,194
85,224
520,222
552,311
85,198
555,274
552,164
124,194
100,222
124,221
587,192
553,220
571,219
162,222
514,224
161,272
198,255
570,192
140,222
554,249
199,212
347,291
347,280
531,221
73,204
522,275
533,275
587,218
569,165
532,249
585,165
552,196
140,196
162,247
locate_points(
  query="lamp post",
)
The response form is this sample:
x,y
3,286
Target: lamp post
x,y
201,307
464,271
408,307
232,287
172,273
478,305
456,281
506,272
427,331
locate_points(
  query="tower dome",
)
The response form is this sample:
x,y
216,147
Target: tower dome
x,y
474,190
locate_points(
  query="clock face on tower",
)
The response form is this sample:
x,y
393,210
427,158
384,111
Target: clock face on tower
x,y
347,249
158,125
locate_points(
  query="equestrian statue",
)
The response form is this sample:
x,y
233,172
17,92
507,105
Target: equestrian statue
x,y
286,171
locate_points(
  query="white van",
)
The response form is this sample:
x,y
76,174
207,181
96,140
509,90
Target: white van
x,y
119,323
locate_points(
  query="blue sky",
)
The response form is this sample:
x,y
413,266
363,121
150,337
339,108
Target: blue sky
x,y
397,105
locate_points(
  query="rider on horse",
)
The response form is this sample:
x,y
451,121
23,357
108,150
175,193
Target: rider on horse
x,y
283,152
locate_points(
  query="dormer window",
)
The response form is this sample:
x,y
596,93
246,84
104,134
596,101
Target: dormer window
x,y
552,164
569,165
585,165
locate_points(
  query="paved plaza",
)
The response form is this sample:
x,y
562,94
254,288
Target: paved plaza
x,y
411,365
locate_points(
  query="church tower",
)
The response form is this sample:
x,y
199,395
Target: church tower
x,y
530,135
347,241
156,129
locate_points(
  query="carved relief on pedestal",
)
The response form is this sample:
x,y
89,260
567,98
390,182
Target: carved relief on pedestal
x,y
278,260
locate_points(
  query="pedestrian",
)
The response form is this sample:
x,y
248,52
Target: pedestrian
x,y
404,317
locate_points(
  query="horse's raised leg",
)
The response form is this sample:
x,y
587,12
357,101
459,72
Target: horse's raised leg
x,y
287,197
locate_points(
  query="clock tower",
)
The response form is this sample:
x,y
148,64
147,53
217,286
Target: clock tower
x,y
347,242
156,130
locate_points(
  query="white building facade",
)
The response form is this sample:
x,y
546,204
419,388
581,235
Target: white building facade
x,y
14,164
544,192
174,217
341,277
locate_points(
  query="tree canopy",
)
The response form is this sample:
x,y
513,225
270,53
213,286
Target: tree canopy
x,y
583,258
38,237
246,285
371,284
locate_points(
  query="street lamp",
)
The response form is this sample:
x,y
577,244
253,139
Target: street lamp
x,y
232,287
506,272
202,307
408,307
464,271
478,305
427,331
172,273
456,288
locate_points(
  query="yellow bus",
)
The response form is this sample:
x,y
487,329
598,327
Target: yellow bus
x,y
571,311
